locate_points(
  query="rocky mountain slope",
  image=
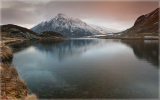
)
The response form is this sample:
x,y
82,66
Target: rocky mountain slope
x,y
145,25
14,31
67,26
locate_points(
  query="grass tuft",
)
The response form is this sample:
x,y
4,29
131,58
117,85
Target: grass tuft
x,y
6,54
8,72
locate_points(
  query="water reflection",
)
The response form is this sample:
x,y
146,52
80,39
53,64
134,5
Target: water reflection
x,y
68,48
88,68
21,45
145,50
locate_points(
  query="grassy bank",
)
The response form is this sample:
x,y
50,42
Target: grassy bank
x,y
12,87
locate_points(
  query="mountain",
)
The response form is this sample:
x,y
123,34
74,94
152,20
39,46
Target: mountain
x,y
104,30
5,28
145,25
67,26
15,31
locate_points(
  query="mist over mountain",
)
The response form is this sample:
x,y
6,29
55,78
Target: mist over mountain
x,y
104,30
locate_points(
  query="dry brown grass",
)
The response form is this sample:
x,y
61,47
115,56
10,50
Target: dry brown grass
x,y
31,97
6,54
22,84
11,86
8,71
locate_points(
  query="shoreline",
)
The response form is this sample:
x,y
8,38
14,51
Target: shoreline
x,y
130,38
6,40
12,87
8,90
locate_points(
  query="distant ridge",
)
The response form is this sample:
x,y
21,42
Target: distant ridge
x,y
103,30
6,28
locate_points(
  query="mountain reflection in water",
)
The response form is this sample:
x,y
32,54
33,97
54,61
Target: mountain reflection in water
x,y
143,49
89,68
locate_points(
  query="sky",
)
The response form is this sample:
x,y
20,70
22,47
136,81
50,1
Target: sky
x,y
113,14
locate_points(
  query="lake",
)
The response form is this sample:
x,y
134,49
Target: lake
x,y
89,68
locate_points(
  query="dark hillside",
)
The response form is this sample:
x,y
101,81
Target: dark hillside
x,y
50,34
6,28
145,25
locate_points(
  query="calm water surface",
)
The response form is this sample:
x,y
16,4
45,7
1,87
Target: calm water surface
x,y
89,68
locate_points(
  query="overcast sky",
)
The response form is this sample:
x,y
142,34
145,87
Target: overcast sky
x,y
111,14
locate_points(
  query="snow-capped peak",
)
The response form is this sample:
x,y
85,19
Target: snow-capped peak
x,y
67,26
60,15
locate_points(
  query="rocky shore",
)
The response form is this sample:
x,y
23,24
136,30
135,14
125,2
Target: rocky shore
x,y
12,87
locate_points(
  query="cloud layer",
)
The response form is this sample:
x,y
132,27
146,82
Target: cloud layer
x,y
111,14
